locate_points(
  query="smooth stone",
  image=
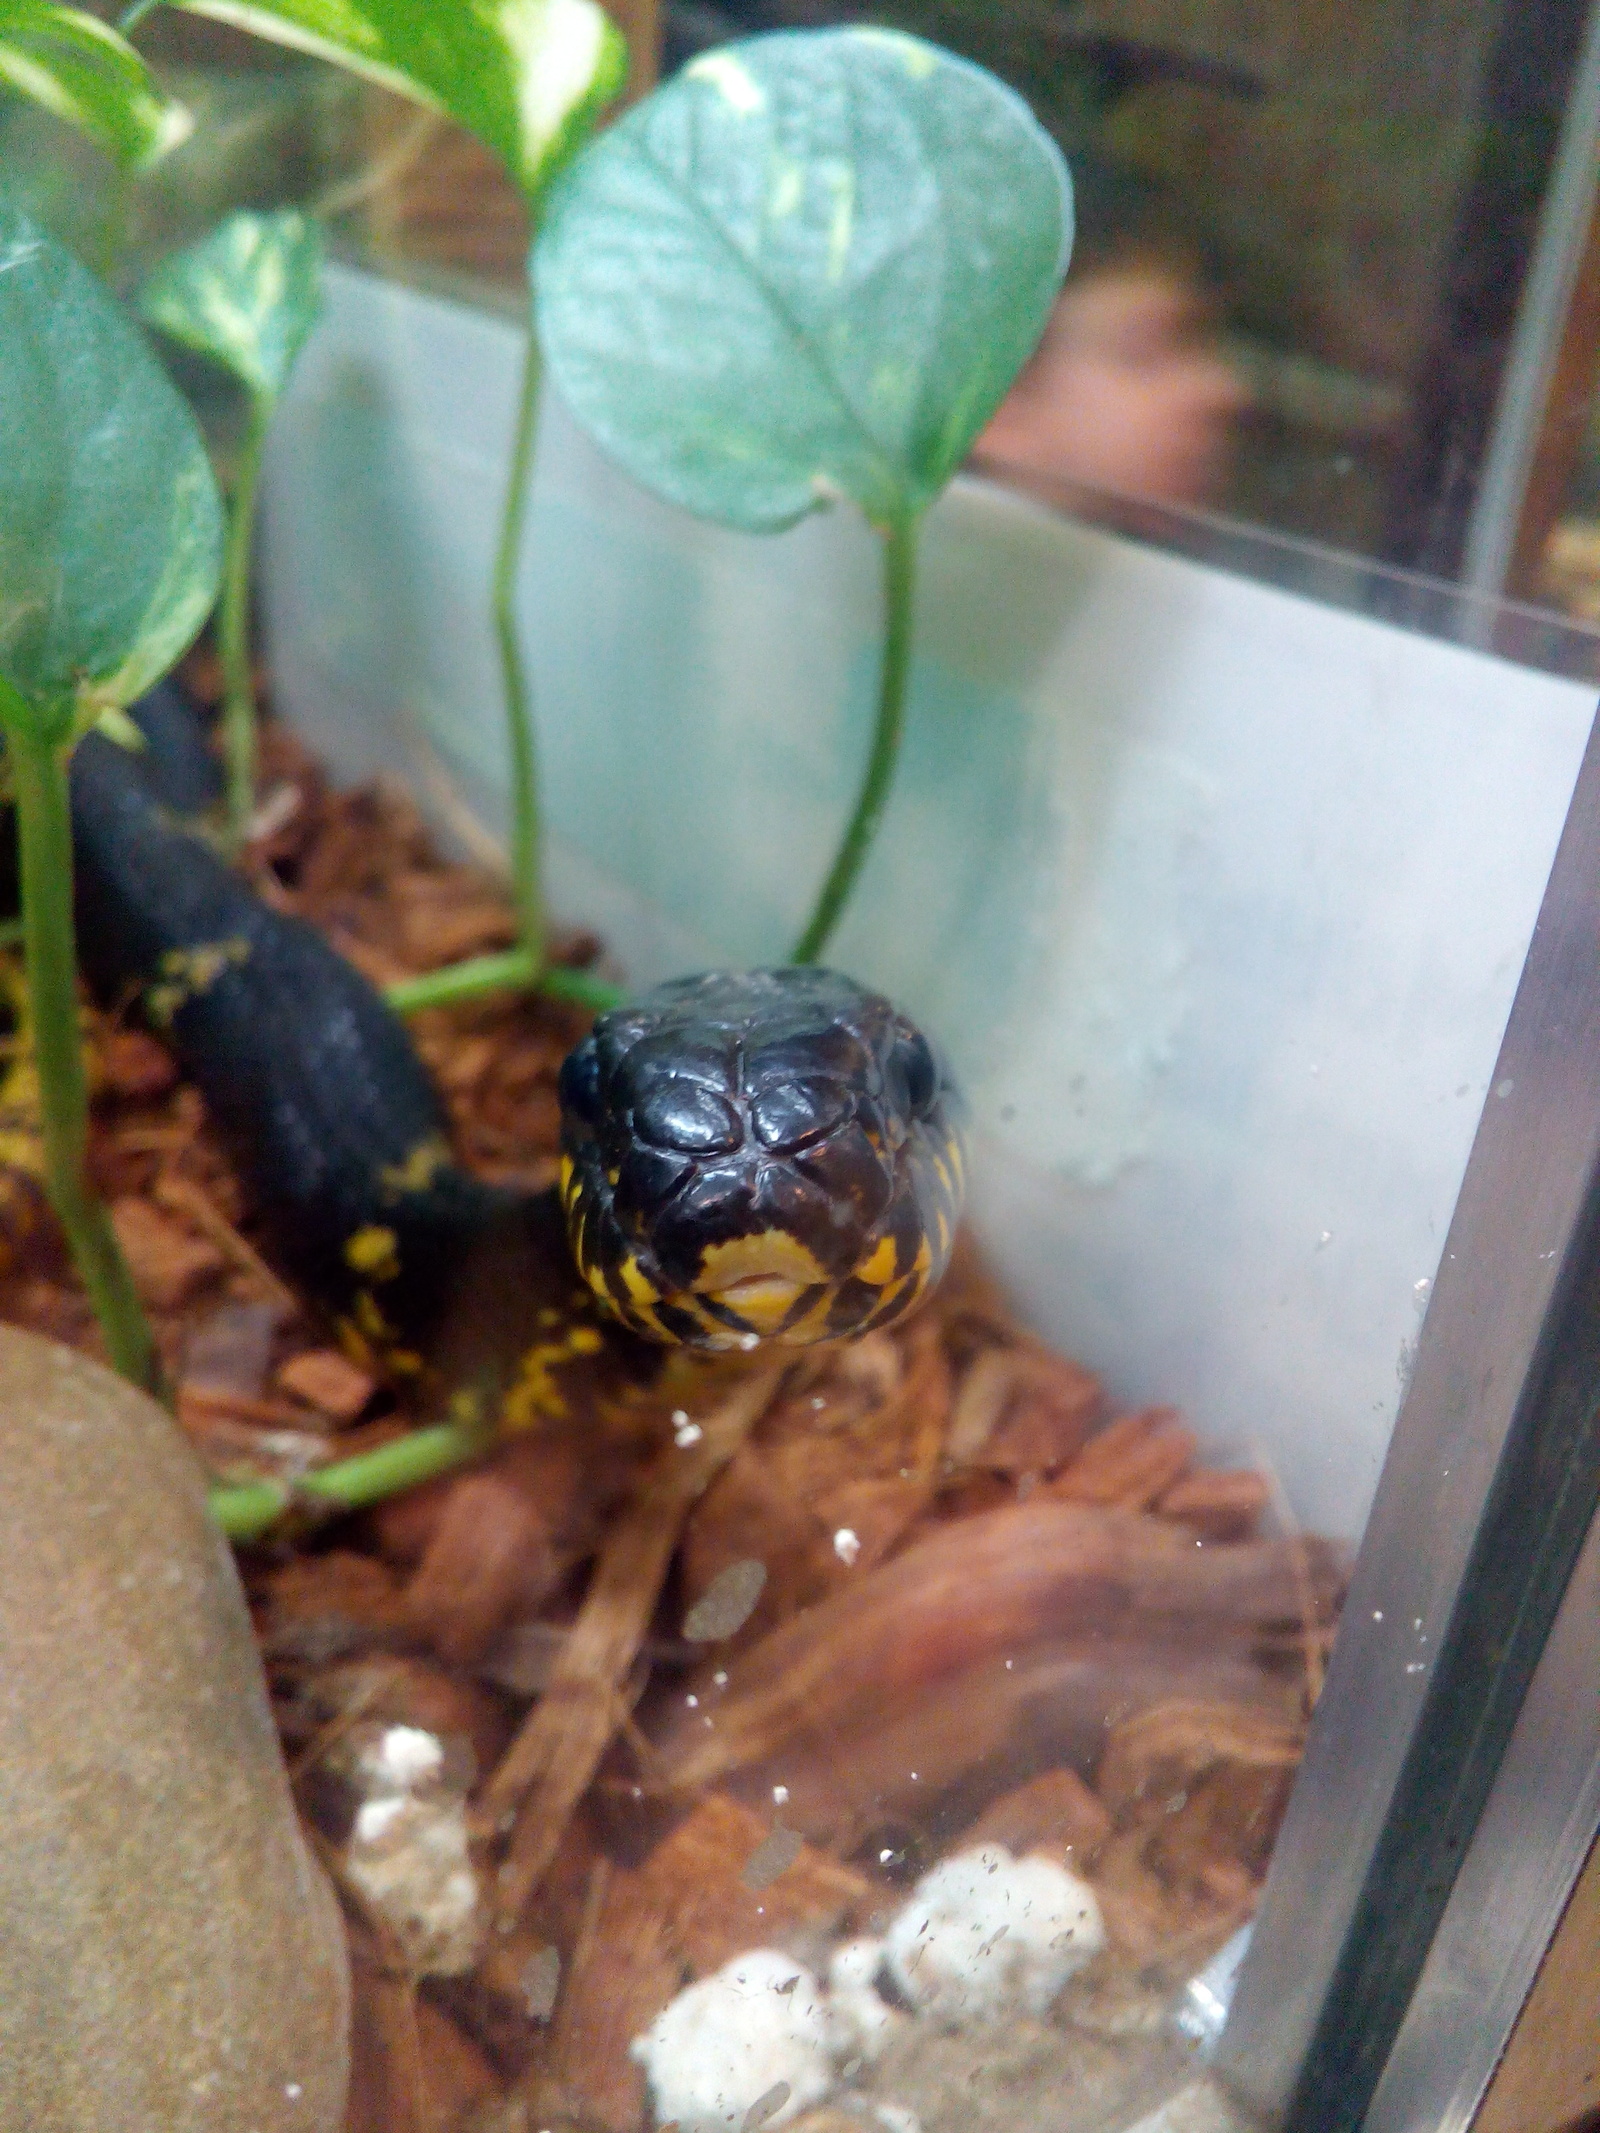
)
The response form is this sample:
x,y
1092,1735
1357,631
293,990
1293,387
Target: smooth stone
x,y
171,1957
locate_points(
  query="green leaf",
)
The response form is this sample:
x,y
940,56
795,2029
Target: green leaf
x,y
528,77
247,295
110,528
811,264
85,73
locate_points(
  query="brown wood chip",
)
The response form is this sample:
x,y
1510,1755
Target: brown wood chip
x,y
1218,1506
168,1263
1131,1463
489,1555
1054,1812
329,1381
135,1065
697,1880
547,1769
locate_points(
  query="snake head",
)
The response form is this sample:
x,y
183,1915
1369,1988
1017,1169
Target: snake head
x,y
761,1156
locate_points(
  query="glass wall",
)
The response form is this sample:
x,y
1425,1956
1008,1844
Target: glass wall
x,y
1334,275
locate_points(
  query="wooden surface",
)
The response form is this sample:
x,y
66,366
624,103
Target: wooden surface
x,y
1549,2079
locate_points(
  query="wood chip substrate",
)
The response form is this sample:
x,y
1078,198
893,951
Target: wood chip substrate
x,y
580,1726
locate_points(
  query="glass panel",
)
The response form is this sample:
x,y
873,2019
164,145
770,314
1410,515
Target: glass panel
x,y
1324,266
1334,278
1239,1209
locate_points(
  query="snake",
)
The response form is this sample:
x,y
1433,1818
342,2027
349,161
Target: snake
x,y
749,1159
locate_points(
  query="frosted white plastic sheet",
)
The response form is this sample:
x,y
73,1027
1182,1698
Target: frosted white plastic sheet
x,y
1217,896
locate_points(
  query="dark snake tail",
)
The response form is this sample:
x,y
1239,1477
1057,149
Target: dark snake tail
x,y
310,1075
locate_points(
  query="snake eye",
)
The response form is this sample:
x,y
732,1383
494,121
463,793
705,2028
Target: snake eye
x,y
578,1084
913,1060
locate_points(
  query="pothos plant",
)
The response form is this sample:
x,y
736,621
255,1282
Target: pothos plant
x,y
75,66
110,547
529,78
246,296
879,230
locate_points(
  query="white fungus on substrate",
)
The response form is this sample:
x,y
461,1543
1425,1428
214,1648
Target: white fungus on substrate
x,y
758,2024
862,2022
395,1760
407,1850
986,1934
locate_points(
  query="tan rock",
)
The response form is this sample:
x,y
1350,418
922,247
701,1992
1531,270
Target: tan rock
x,y
171,1960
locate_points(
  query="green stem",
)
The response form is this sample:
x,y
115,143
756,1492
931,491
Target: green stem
x,y
899,586
233,630
246,1511
522,968
131,17
44,827
525,856
512,971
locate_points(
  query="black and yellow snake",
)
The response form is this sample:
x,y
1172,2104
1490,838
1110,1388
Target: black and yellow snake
x,y
766,1156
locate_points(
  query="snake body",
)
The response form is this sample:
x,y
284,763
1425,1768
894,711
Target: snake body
x,y
310,1075
751,1157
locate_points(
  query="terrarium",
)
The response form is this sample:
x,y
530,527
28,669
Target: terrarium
x,y
1069,1638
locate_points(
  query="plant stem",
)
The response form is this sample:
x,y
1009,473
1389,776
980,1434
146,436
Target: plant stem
x,y
512,971
899,586
525,854
246,1511
44,828
233,630
132,16
522,968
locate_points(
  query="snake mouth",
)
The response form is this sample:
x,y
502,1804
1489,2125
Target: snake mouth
x,y
762,1287
760,1303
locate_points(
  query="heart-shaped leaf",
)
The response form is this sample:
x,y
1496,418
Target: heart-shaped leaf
x,y
110,528
85,73
247,295
811,264
528,77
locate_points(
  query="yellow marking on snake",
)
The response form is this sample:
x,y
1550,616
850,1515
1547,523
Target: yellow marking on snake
x,y
417,1171
761,1301
371,1321
772,1252
374,1252
188,972
878,1266
536,1397
639,1290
